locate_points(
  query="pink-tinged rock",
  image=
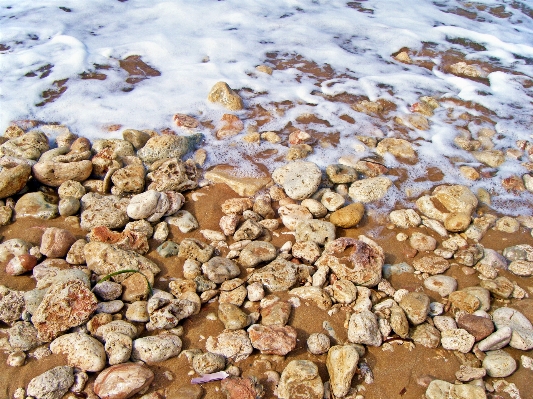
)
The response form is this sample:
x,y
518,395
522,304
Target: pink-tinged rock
x,y
273,340
122,381
128,240
21,264
64,306
242,388
56,242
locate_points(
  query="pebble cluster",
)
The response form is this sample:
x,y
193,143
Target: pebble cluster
x,y
93,300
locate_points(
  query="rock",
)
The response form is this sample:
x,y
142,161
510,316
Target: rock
x,y
274,339
129,240
110,307
55,173
37,205
156,348
128,180
348,216
161,231
468,373
232,316
107,290
341,364
137,312
332,200
492,158
118,347
315,207
64,306
82,350
293,214
299,179
116,327
457,340
308,251
439,389
167,146
342,291
242,388
277,313
431,264
184,221
363,329
137,138
195,249
257,252
362,266
241,185
278,275
340,174
208,362
399,322
12,180
500,287
99,210
457,221
318,231
233,345
168,316
522,336
144,205
482,294
249,230
122,381
464,301
426,335
300,379
69,206
522,268
168,249
16,359
405,218
443,285
315,294
222,94
370,189
499,364
21,264
415,306
104,259
219,269
454,198
255,291
318,343
51,384
28,146
497,340
480,327
422,242
172,175
519,252
23,336
56,242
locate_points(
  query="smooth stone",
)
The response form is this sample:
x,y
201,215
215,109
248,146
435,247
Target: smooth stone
x,y
426,335
156,348
405,218
110,307
299,179
56,242
142,206
370,189
340,174
443,285
318,231
300,378
431,264
69,206
137,138
341,364
12,180
363,329
522,268
245,186
55,173
233,345
348,216
315,294
137,312
277,313
416,306
499,364
422,242
292,214
438,389
107,290
522,337
232,316
37,205
257,252
342,291
168,249
464,301
318,343
51,384
122,381
500,287
480,327
497,340
82,350
183,220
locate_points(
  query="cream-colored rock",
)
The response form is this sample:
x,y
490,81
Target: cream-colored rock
x,y
222,94
370,189
82,350
300,379
398,147
341,363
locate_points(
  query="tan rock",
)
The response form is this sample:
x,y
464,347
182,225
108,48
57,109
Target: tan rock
x,y
222,94
245,186
12,180
54,173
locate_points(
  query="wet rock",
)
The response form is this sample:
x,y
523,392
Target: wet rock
x,y
300,378
232,316
23,336
405,218
242,388
233,291
464,301
342,291
115,327
318,231
415,306
64,306
399,322
457,340
118,347
51,384
107,290
143,206
318,343
137,138
522,337
99,210
167,146
156,348
497,340
104,259
249,230
278,275
468,373
426,335
363,265
293,214
122,381
276,313
12,180
219,269
110,307
341,364
315,294
431,264
56,242
480,327
521,268
233,345
482,294
208,362
369,189
439,389
348,216
135,286
195,249
184,221
222,94
499,364
299,179
363,329
454,198
398,147
128,180
71,188
500,287
168,316
340,174
315,207
274,339
161,231
308,251
21,264
55,173
519,252
492,158
172,175
37,205
82,350
168,249
443,285
255,291
257,252
332,201
422,242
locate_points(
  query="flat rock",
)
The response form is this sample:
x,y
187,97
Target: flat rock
x,y
55,173
51,384
439,389
56,242
299,179
233,345
278,275
167,146
38,205
480,327
457,340
341,364
245,186
300,378
370,189
122,381
431,264
232,316
443,285
256,253
274,339
318,231
103,210
82,350
156,348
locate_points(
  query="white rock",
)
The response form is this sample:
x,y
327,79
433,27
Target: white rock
x,y
299,179
499,364
458,339
405,218
332,201
497,340
363,329
157,348
183,220
370,189
443,285
522,337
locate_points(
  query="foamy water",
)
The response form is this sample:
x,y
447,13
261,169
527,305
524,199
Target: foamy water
x,y
194,44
